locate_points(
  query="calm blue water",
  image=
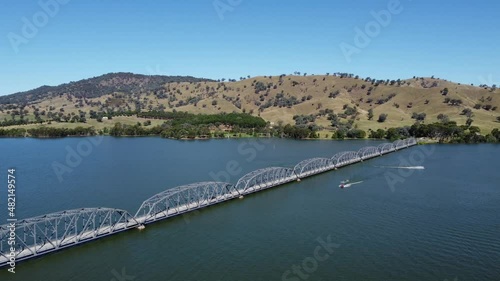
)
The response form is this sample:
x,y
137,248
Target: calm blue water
x,y
433,224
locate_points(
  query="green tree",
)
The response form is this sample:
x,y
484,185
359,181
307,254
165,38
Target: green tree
x,y
474,130
382,117
419,116
443,118
356,134
260,86
341,134
467,112
469,121
491,139
378,134
496,133
350,111
370,114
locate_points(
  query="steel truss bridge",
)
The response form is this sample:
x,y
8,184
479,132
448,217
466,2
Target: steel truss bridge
x,y
41,235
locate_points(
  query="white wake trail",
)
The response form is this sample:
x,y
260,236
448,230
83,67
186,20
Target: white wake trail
x,y
402,167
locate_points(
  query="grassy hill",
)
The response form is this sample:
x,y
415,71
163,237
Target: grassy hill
x,y
98,86
277,99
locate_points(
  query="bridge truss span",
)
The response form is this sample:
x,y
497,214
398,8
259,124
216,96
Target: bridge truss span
x,y
345,158
313,166
400,144
386,148
368,152
52,232
265,178
184,199
411,142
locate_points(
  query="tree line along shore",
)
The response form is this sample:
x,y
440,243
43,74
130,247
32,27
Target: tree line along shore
x,y
183,125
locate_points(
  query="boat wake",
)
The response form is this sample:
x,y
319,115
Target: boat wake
x,y
403,167
346,185
358,182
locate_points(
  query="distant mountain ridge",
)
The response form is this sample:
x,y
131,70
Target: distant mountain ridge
x,y
328,101
98,86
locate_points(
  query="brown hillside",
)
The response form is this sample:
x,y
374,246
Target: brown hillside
x,y
280,98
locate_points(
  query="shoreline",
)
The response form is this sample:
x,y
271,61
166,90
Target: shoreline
x,y
420,141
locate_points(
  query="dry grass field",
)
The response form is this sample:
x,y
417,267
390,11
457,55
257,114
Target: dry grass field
x,y
278,99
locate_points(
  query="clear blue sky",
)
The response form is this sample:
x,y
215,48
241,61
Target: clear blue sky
x,y
454,40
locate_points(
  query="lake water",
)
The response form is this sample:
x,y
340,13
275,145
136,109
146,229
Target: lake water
x,y
434,224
